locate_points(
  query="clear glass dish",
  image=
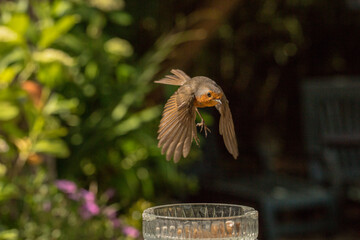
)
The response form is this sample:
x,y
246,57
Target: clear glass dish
x,y
200,221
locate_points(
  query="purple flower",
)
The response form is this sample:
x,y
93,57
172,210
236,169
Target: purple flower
x,y
66,186
84,213
87,195
92,208
110,212
89,209
131,232
75,196
116,222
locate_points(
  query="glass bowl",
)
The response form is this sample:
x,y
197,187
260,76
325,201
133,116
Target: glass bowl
x,y
200,221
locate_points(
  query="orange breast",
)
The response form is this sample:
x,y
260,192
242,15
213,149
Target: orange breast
x,y
205,101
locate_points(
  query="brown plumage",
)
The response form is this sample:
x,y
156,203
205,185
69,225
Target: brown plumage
x,y
177,127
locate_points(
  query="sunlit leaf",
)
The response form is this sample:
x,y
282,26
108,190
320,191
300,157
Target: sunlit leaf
x,y
57,104
91,70
12,234
60,7
8,111
8,74
107,5
127,125
7,190
62,26
124,71
51,74
119,112
19,23
96,25
121,18
134,121
55,147
150,113
15,55
53,55
3,148
119,47
8,35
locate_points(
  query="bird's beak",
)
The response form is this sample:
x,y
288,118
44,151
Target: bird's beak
x,y
218,100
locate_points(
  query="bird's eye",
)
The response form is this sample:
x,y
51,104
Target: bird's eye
x,y
209,94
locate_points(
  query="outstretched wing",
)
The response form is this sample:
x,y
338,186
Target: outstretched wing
x,y
177,126
226,127
178,79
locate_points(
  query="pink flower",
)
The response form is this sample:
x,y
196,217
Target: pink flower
x,y
110,212
75,196
66,186
131,232
116,222
92,208
89,209
87,195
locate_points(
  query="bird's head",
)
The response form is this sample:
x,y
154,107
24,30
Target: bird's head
x,y
208,94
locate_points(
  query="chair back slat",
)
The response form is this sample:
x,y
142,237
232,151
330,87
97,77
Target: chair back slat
x,y
331,116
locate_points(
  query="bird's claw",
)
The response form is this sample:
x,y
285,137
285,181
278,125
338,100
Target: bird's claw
x,y
203,126
197,140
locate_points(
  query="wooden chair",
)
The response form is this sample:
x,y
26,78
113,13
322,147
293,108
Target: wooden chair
x,y
331,114
333,118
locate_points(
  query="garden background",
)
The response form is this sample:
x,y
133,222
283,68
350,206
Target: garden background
x,y
79,110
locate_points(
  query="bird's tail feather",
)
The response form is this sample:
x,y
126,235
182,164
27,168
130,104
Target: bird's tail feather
x,y
178,79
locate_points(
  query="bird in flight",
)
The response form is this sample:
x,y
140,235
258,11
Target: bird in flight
x,y
177,127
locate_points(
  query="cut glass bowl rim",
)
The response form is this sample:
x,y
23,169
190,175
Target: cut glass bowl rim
x,y
149,214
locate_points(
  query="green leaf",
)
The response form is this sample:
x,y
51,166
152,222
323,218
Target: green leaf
x,y
62,26
58,104
13,56
73,42
135,120
61,7
51,74
50,55
3,168
121,18
55,147
19,23
8,111
91,70
12,234
8,74
53,133
7,35
13,130
150,113
119,47
7,190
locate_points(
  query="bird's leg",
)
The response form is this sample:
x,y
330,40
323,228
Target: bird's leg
x,y
202,124
196,138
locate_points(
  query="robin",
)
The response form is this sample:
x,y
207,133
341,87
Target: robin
x,y
177,127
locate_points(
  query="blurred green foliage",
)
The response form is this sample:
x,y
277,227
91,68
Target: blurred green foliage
x,y
73,105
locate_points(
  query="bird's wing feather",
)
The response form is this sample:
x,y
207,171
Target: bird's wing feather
x,y
178,79
176,126
226,127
